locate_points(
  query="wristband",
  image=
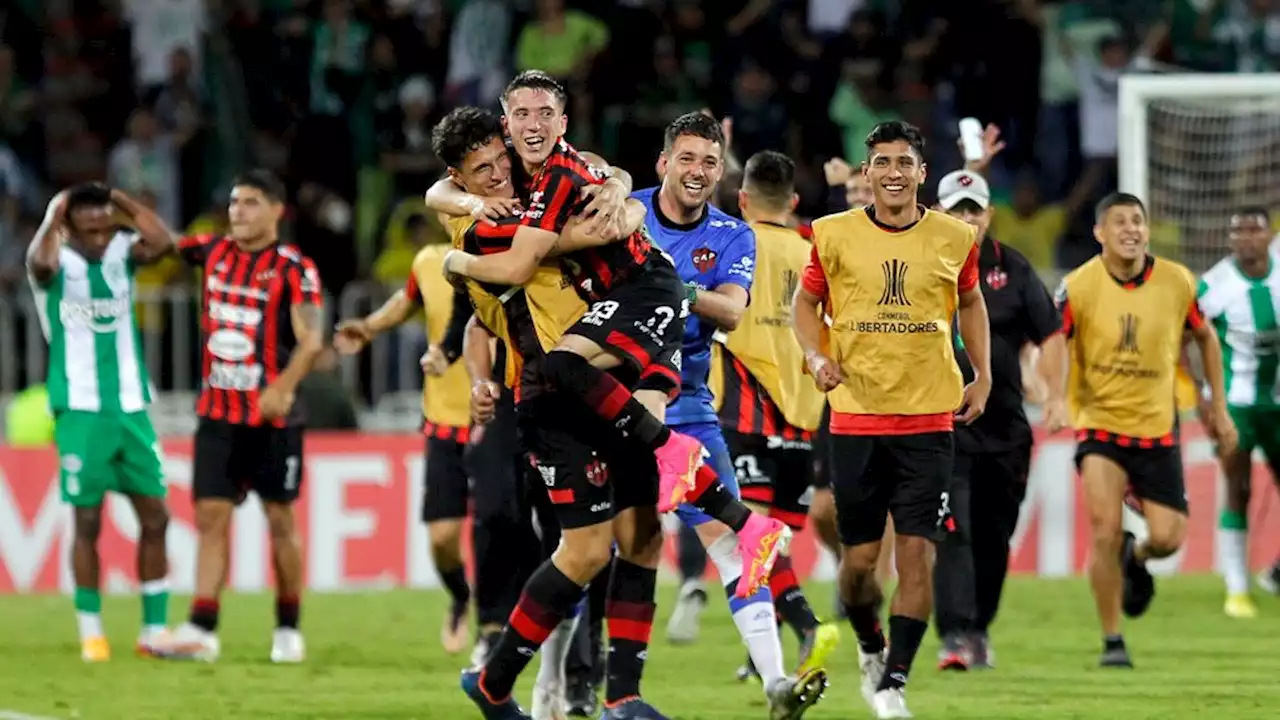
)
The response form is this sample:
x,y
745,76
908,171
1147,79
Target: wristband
x,y
691,292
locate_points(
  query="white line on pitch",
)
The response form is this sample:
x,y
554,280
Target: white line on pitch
x,y
15,715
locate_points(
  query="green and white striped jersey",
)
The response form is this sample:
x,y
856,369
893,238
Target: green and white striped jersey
x,y
95,353
1243,312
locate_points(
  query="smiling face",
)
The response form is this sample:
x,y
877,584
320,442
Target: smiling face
x,y
895,172
535,120
486,170
690,171
1123,233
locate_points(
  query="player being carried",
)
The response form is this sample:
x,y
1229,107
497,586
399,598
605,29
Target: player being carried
x,y
1124,314
1239,296
81,269
715,256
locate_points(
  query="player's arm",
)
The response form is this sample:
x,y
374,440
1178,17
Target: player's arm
x,y
477,350
447,198
579,233
1043,323
42,256
806,323
453,344
306,315
351,336
975,332
726,303
1206,340
155,239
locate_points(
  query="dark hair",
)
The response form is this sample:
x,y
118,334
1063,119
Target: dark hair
x,y
895,131
415,221
1253,211
88,195
464,129
694,124
263,181
536,80
1117,199
771,176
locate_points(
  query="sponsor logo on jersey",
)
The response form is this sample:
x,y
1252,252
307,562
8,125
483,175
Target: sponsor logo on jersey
x,y
230,345
234,314
100,316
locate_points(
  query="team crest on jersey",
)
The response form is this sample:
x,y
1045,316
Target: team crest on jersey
x,y
997,279
597,473
704,258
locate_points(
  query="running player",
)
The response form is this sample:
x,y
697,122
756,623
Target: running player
x,y
262,329
715,256
446,413
81,271
1239,296
1124,314
769,410
891,276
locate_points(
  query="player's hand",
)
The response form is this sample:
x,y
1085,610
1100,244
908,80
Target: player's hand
x,y
837,172
826,374
992,146
476,436
57,208
489,210
607,202
975,400
433,361
1223,429
484,400
1055,415
274,402
455,261
350,336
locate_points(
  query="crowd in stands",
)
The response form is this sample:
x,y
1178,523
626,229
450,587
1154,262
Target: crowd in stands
x,y
169,99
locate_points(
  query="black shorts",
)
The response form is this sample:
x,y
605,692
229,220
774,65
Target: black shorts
x,y
445,487
821,454
775,473
589,471
906,475
1155,473
641,322
231,460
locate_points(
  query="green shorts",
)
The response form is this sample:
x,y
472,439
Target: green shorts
x,y
107,453
1258,427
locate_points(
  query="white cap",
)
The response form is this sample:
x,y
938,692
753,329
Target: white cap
x,y
417,89
963,185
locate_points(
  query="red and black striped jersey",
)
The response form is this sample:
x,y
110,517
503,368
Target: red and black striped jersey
x,y
747,407
246,322
554,196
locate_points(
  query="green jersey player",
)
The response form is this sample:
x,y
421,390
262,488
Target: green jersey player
x,y
81,270
1241,297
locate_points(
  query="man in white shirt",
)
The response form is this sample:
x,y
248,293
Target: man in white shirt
x,y
159,28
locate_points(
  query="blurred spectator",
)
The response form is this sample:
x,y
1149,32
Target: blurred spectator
x,y
1028,226
146,161
759,117
327,401
17,102
828,18
159,28
406,147
12,244
421,38
479,52
859,103
384,82
337,60
1251,37
565,44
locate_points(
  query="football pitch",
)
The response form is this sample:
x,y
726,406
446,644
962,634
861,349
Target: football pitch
x,y
375,655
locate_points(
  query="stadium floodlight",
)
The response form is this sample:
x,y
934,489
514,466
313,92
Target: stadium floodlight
x,y
1196,146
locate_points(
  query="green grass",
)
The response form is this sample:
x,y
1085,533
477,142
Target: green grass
x,y
375,656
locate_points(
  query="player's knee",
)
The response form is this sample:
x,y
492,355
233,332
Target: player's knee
x,y
153,524
213,518
1107,538
444,535
723,553
280,522
583,552
88,523
561,366
860,560
1165,538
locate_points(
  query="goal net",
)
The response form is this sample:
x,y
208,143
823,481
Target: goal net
x,y
1196,147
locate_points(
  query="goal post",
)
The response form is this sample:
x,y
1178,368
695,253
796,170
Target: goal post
x,y
1195,147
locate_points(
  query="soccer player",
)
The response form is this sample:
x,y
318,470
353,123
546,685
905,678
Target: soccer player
x,y
891,276
715,256
636,300
1239,296
1124,314
993,454
768,409
81,271
447,425
262,330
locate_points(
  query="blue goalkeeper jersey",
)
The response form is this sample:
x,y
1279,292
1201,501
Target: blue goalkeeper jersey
x,y
716,250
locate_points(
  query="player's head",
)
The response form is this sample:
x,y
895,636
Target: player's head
x,y
857,191
895,163
692,160
966,196
257,204
89,218
1120,226
1250,232
768,186
469,142
533,114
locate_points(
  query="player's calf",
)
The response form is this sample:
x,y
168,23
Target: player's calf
x,y
88,598
445,536
153,565
287,645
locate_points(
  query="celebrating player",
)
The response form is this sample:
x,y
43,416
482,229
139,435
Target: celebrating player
x,y
769,410
1124,313
262,330
891,276
1239,296
715,256
993,454
81,269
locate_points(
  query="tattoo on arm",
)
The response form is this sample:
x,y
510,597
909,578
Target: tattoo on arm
x,y
308,321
